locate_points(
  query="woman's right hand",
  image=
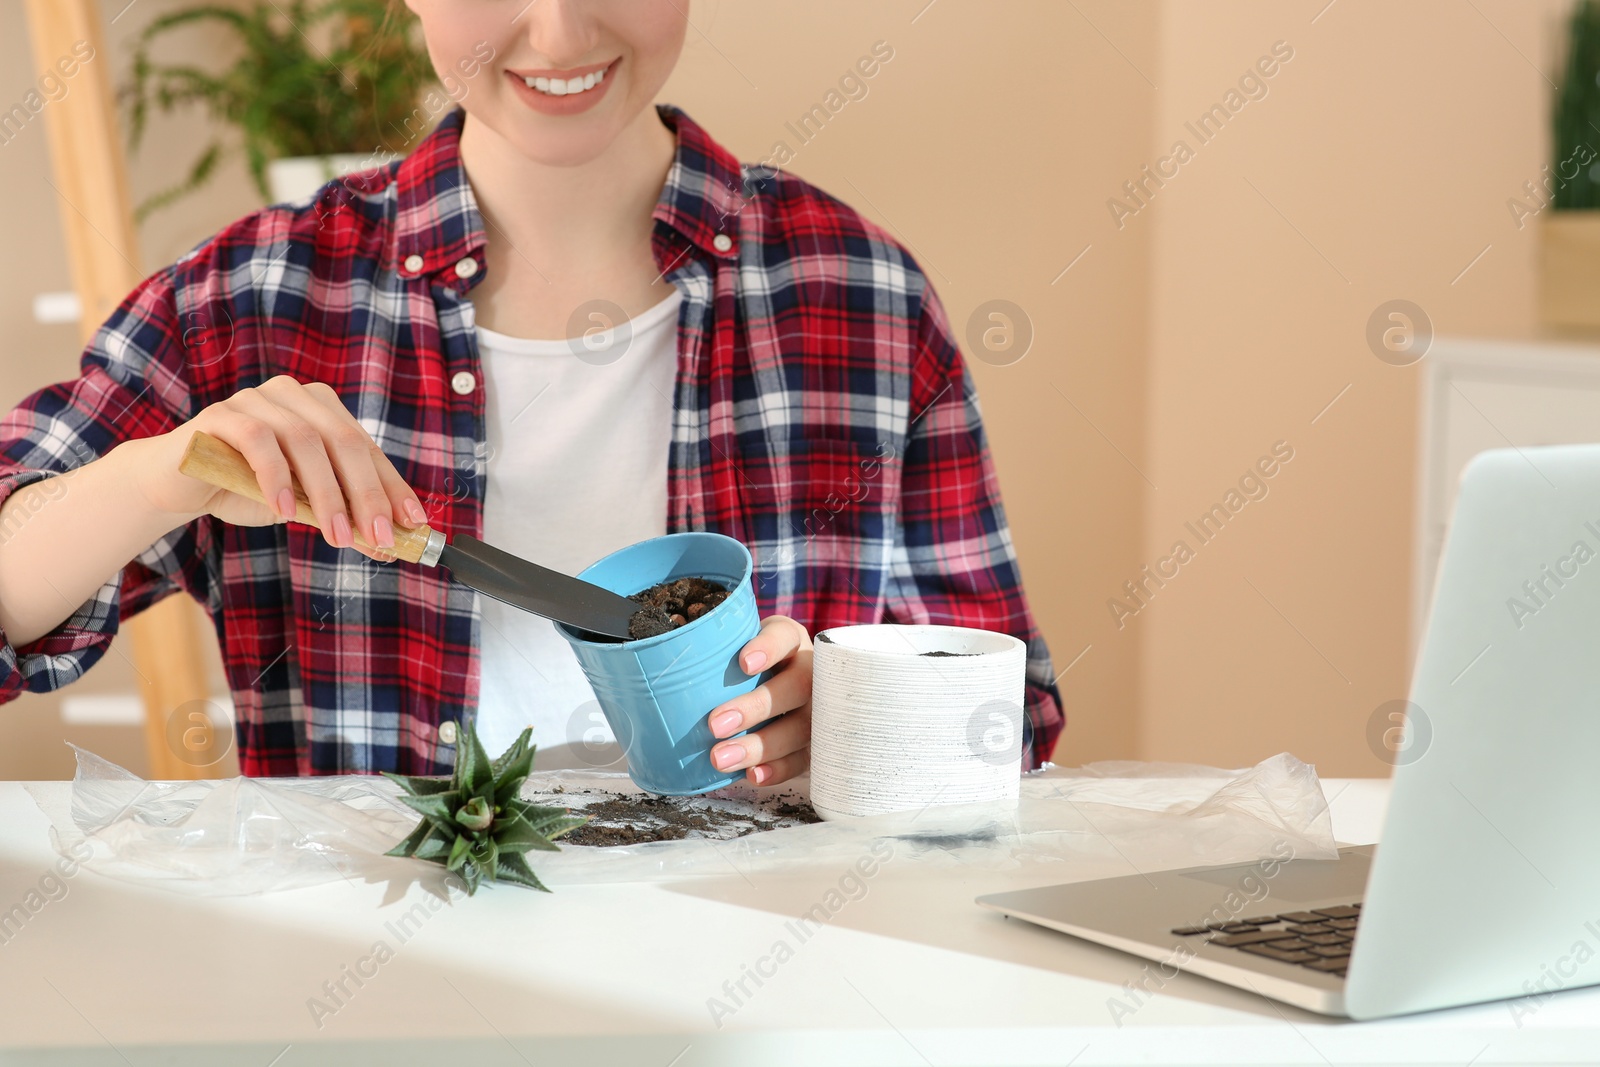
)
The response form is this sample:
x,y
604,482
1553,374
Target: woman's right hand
x,y
285,428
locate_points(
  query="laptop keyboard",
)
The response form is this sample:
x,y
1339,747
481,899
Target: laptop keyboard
x,y
1320,939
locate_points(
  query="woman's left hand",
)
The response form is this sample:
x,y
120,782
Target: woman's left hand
x,y
783,749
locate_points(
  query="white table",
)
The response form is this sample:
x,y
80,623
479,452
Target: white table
x,y
911,973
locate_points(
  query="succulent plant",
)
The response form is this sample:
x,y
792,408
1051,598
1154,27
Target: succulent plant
x,y
474,823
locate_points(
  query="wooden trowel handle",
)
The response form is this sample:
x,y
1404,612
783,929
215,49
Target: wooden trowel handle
x,y
221,465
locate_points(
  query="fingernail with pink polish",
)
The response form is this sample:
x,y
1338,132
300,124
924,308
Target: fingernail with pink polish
x,y
382,532
726,723
341,531
754,662
727,756
286,504
415,513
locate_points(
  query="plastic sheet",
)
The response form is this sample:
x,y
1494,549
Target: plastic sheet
x,y
226,837
255,835
1154,816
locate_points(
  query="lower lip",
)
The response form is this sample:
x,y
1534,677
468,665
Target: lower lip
x,y
576,104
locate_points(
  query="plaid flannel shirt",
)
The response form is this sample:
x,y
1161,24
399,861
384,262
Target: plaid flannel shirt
x,y
822,416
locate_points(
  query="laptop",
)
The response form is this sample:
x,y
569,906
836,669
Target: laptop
x,y
1487,882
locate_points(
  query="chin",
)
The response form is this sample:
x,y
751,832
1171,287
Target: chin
x,y
553,142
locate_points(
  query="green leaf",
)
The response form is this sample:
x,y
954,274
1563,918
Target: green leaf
x,y
514,770
413,839
510,756
509,833
199,174
436,844
419,785
509,783
521,834
473,770
561,826
458,854
484,853
476,814
200,13
565,825
513,868
508,791
539,815
438,806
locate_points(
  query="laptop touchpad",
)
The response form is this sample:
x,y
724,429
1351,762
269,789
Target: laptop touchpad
x,y
1295,882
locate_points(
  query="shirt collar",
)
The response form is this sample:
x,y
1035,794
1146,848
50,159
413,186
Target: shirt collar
x,y
437,224
705,188
438,227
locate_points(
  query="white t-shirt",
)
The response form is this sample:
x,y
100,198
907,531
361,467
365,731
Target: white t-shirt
x,y
577,468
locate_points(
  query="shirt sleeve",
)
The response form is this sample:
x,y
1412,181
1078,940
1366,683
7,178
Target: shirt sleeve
x,y
953,562
132,383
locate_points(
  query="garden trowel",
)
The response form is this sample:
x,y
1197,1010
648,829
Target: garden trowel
x,y
505,577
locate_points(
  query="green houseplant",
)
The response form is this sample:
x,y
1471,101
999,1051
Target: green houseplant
x,y
1575,119
313,78
1569,186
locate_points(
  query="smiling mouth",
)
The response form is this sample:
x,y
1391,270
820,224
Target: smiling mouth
x,y
567,86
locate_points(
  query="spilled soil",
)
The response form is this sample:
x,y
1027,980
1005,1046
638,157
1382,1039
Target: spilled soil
x,y
640,818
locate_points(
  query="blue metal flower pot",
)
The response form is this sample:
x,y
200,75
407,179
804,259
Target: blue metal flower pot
x,y
657,692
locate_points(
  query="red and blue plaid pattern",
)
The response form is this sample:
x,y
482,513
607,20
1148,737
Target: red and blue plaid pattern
x,y
823,416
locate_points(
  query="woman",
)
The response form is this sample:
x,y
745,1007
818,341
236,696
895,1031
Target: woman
x,y
777,369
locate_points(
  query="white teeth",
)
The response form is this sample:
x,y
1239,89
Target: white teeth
x,y
566,86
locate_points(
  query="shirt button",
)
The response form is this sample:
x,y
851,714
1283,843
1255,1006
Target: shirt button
x,y
447,732
463,382
466,268
413,264
722,242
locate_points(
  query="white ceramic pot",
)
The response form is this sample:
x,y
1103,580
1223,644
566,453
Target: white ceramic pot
x,y
298,177
904,717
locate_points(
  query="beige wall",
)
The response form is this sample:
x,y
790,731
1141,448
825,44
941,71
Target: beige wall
x,y
1217,320
1377,168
